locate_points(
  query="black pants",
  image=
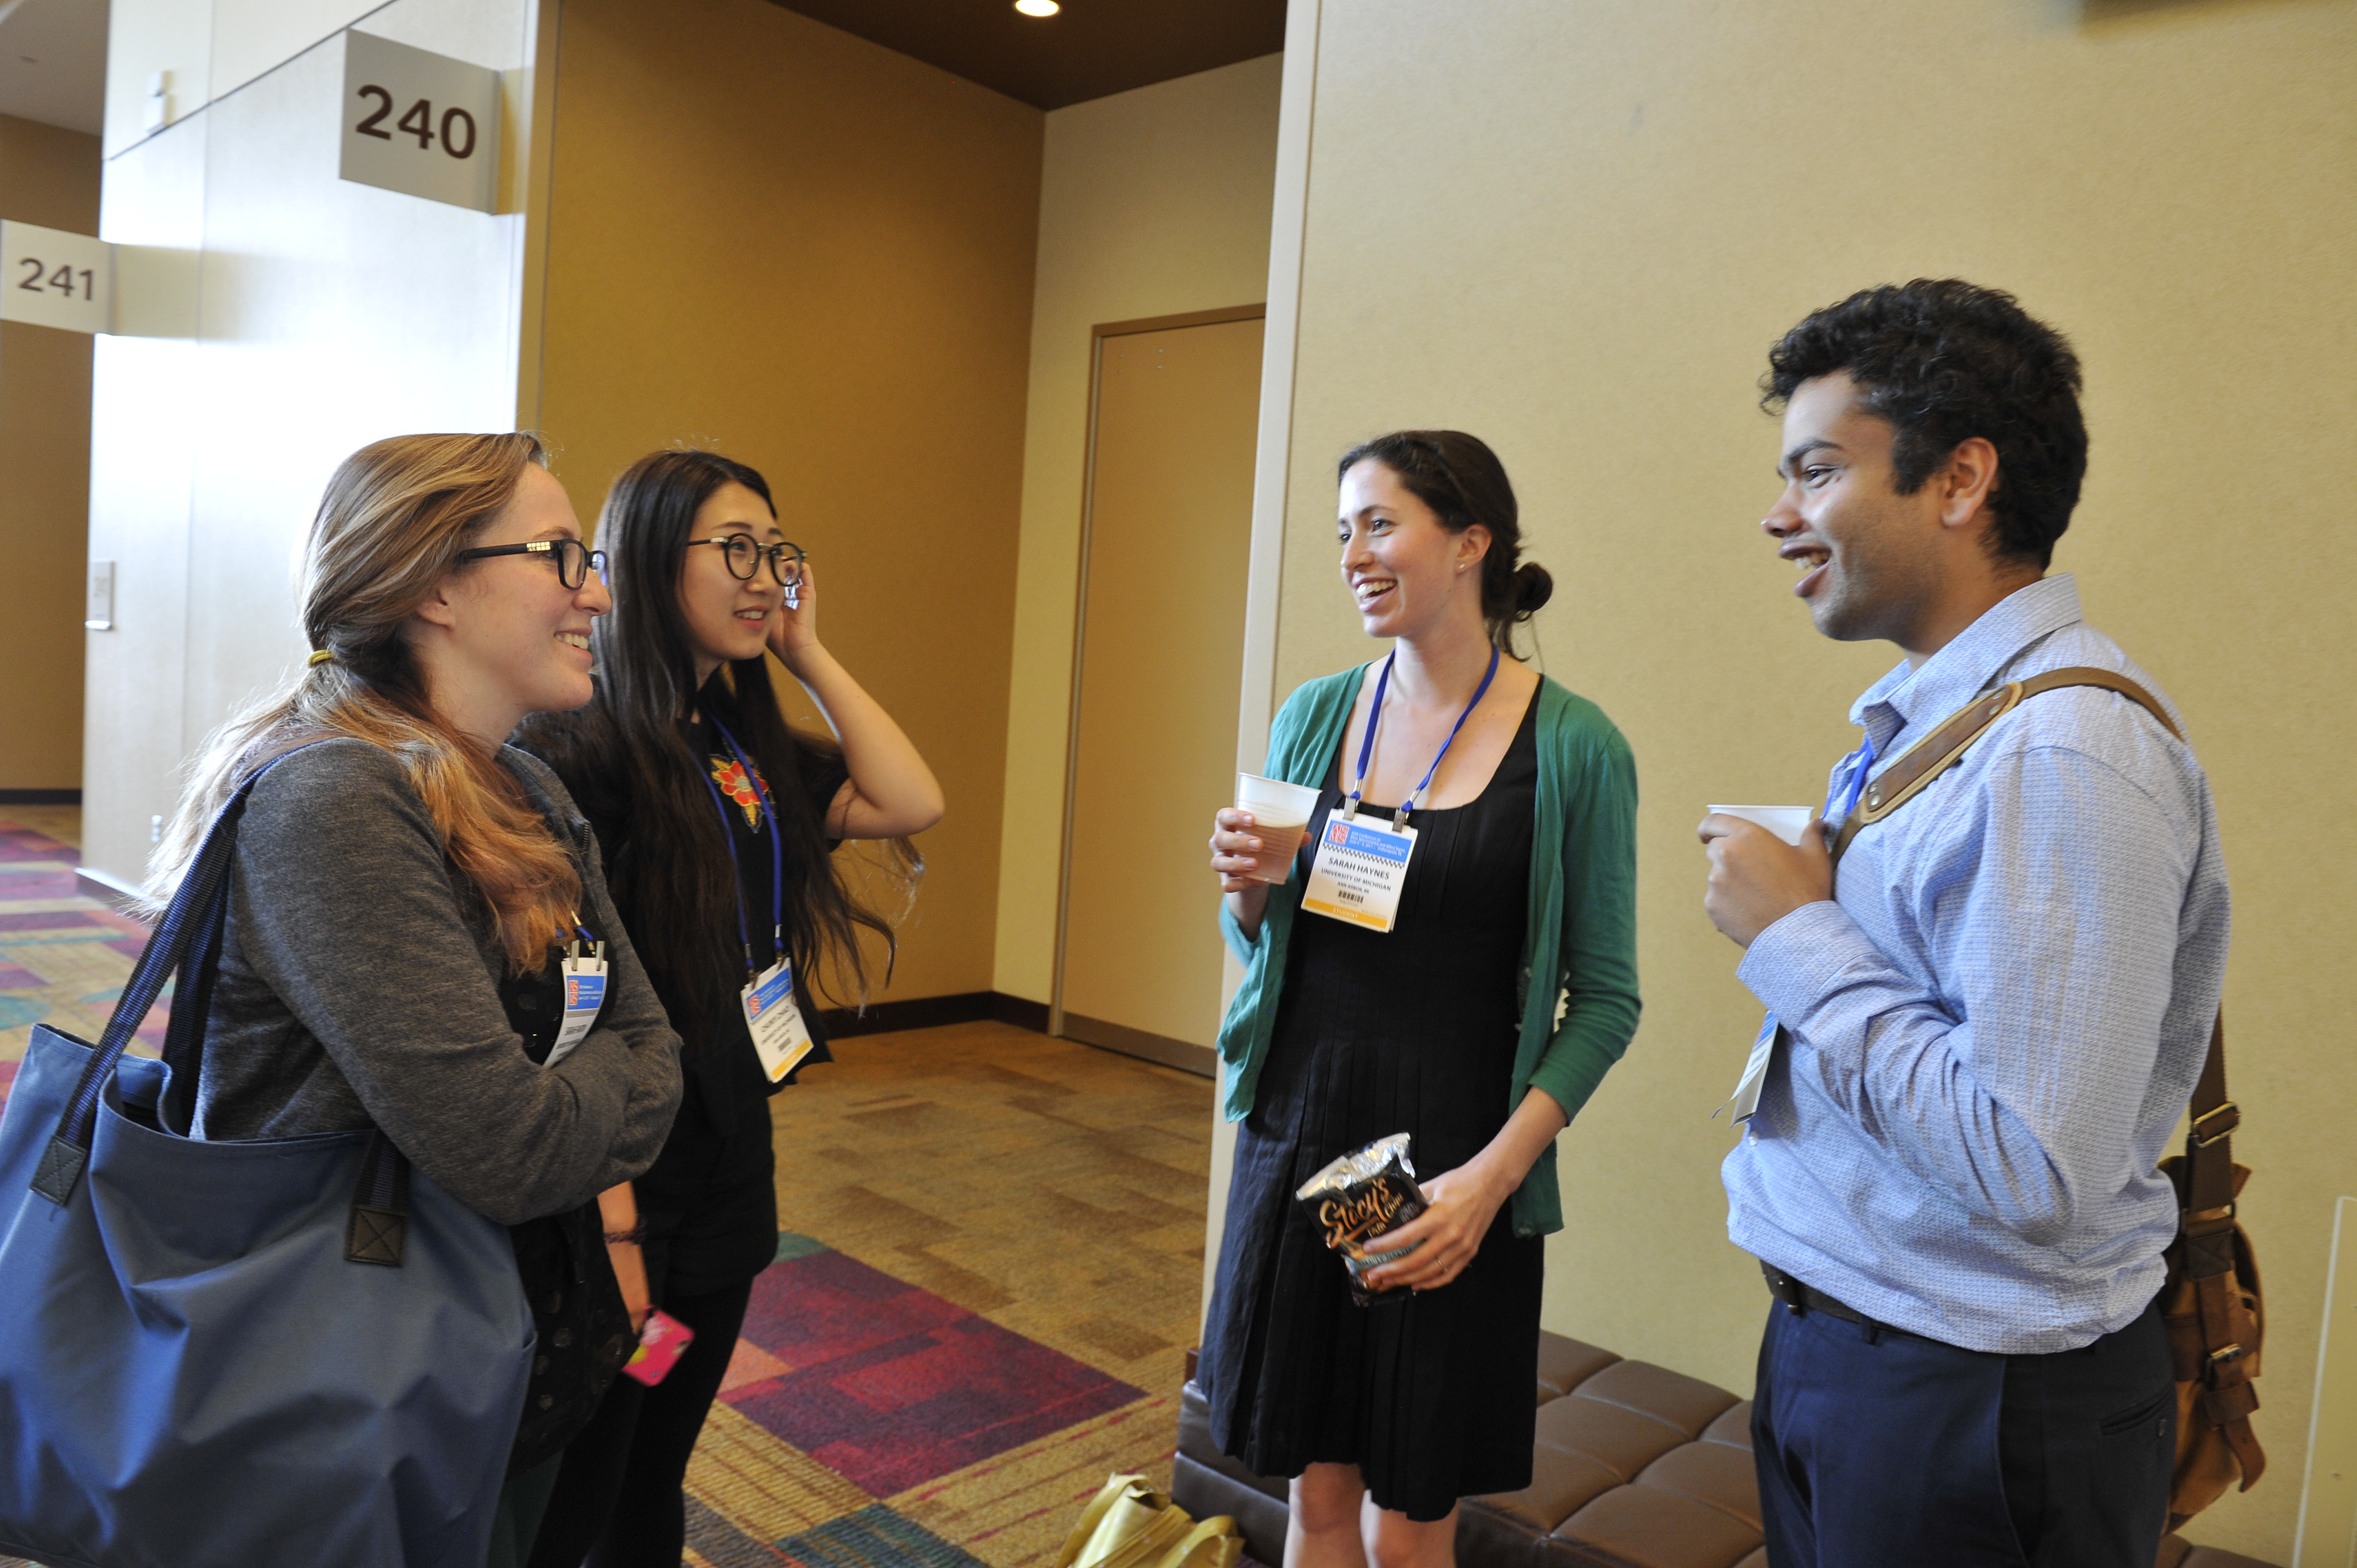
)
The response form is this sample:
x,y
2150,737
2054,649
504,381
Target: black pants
x,y
1876,1447
618,1502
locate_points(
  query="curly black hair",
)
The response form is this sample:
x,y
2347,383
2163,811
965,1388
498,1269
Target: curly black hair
x,y
1944,361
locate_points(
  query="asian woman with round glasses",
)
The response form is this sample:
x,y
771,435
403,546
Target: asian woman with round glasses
x,y
718,824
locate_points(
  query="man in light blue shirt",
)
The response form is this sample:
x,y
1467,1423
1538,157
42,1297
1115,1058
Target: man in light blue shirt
x,y
1994,1019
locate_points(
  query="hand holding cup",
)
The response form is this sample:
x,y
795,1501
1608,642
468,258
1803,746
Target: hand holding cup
x,y
1235,850
1274,815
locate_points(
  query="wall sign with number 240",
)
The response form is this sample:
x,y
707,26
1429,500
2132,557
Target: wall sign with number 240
x,y
457,129
419,123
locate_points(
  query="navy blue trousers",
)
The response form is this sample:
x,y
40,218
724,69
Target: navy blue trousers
x,y
1876,1448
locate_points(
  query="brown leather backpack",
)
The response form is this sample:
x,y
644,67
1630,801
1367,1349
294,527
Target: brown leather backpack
x,y
2212,1305
2211,1300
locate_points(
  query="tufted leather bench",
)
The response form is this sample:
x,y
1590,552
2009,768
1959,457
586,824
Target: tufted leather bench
x,y
1637,1467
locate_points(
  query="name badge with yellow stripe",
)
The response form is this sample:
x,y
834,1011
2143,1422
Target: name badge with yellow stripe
x,y
1360,866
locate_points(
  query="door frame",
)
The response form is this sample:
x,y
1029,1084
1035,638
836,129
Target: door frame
x,y
1146,1046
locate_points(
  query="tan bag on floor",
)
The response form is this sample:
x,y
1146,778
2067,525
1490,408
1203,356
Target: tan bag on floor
x,y
1131,1525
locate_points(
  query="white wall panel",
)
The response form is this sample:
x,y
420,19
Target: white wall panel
x,y
212,47
334,314
144,37
328,314
144,391
253,37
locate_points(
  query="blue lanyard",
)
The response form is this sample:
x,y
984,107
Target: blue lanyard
x,y
1375,718
777,850
1862,761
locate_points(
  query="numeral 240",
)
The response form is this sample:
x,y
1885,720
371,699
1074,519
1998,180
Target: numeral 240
x,y
419,123
59,282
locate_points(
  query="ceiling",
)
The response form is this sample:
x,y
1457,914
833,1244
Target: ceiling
x,y
1089,48
53,62
53,52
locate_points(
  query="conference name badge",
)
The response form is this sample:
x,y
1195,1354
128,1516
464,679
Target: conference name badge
x,y
585,996
1360,866
1746,1098
779,1037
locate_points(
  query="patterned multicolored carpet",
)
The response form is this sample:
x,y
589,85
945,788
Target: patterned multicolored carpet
x,y
979,1312
63,958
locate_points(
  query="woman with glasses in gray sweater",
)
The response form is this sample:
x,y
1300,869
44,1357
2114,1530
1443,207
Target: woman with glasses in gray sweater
x,y
404,884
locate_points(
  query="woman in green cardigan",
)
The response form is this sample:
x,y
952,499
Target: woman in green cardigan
x,y
1431,1009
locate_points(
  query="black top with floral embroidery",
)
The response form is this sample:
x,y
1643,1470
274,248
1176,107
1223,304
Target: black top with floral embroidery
x,y
710,1203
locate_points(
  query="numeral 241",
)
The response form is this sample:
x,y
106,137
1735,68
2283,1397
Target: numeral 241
x,y
457,127
58,282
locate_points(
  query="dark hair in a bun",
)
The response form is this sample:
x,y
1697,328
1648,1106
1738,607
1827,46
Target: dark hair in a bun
x,y
1533,587
1462,481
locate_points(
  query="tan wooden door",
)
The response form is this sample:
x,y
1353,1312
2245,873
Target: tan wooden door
x,y
1160,664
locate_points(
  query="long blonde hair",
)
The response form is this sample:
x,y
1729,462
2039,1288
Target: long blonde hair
x,y
390,526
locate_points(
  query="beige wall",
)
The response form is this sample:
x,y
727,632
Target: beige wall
x,y
1575,230
48,176
1152,202
776,240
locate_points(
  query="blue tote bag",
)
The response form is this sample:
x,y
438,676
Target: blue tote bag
x,y
288,1353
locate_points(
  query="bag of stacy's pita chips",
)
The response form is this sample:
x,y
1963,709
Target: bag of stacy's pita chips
x,y
1359,1199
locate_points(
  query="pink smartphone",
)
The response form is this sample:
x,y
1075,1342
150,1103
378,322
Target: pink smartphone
x,y
660,1343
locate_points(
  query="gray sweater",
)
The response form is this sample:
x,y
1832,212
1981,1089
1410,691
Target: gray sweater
x,y
359,984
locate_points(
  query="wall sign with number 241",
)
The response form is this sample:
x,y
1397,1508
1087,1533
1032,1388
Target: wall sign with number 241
x,y
53,278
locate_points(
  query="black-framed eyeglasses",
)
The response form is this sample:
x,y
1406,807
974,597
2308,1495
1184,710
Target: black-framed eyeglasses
x,y
574,560
743,558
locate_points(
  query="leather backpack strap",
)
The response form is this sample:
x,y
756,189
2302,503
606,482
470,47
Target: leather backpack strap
x,y
2212,1293
2208,1142
2111,680
1916,766
2210,1158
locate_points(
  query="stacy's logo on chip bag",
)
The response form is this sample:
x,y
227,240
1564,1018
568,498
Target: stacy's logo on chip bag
x,y
1363,1196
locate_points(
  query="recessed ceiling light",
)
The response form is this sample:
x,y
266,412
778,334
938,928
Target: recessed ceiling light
x,y
1038,7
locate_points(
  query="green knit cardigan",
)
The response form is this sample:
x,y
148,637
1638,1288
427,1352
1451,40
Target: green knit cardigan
x,y
1582,931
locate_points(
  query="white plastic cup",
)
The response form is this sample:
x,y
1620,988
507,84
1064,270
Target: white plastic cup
x,y
1787,822
1280,814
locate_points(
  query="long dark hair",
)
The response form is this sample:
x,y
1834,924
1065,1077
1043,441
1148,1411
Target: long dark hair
x,y
628,763
1462,481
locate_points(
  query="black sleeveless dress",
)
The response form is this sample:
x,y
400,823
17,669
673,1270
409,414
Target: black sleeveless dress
x,y
1430,1394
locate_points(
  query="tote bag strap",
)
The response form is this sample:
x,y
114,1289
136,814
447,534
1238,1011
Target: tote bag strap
x,y
192,1001
189,940
182,930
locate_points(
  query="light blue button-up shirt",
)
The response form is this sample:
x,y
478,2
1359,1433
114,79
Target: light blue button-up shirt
x,y
1996,1023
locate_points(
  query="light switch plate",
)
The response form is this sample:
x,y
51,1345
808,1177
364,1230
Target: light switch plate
x,y
98,615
